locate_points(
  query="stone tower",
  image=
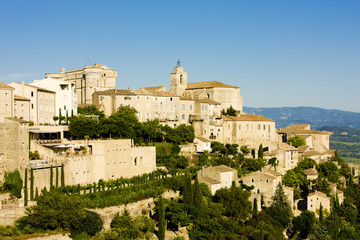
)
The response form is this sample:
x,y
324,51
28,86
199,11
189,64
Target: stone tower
x,y
178,80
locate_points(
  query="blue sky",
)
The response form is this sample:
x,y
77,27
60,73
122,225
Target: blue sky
x,y
281,53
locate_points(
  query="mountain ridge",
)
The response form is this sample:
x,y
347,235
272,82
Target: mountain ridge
x,y
317,117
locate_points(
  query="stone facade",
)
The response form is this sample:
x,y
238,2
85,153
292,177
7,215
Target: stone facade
x,y
98,159
42,102
66,99
286,155
14,150
6,101
315,199
217,177
317,142
21,107
265,182
88,80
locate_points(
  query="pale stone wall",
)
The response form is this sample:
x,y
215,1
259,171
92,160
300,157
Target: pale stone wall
x,y
314,201
178,80
218,177
15,148
22,109
264,184
88,80
42,102
105,159
66,99
6,102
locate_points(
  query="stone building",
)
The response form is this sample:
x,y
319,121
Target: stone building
x,y
66,99
88,161
14,146
286,155
317,142
265,182
217,177
226,95
315,199
6,101
21,107
42,102
88,80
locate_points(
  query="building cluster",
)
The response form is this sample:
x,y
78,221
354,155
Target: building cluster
x,y
197,104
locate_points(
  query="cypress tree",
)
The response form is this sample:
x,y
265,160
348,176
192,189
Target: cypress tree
x,y
67,118
25,189
161,213
59,116
36,194
197,201
188,193
99,186
261,152
31,184
62,176
321,214
255,206
51,177
57,177
94,187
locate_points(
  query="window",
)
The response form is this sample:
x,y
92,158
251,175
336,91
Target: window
x,y
252,180
137,97
101,98
32,93
171,99
127,98
190,107
32,106
267,180
183,117
135,161
182,107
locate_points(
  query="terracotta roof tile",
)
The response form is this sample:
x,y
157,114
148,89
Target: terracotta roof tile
x,y
247,117
210,84
3,85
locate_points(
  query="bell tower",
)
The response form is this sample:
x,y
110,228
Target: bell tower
x,y
178,80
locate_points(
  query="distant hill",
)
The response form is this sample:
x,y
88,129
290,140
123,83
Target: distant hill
x,y
344,139
317,117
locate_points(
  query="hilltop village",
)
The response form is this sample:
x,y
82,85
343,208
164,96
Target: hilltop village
x,y
76,132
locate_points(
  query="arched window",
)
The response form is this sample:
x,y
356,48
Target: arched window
x,y
181,78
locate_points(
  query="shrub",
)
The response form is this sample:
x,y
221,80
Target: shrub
x,y
13,183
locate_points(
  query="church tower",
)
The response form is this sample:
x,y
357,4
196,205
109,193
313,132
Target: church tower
x,y
178,80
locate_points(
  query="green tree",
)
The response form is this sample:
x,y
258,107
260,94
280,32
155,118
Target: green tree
x,y
304,224
273,162
161,219
31,184
261,152
57,177
296,141
188,191
13,183
62,176
307,163
25,189
53,211
280,209
89,222
90,110
329,170
51,178
230,111
81,126
198,197
235,202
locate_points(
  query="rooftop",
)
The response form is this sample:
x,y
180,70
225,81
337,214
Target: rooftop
x,y
3,85
247,117
210,84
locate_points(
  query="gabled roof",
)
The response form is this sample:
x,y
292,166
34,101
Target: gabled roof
x,y
203,139
3,85
300,129
222,168
201,100
156,88
320,194
20,98
210,180
303,148
247,117
310,171
210,84
267,172
38,88
162,93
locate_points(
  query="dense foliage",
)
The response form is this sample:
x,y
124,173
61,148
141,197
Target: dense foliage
x,y
125,124
13,183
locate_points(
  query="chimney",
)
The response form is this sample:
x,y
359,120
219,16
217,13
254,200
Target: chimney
x,y
22,89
